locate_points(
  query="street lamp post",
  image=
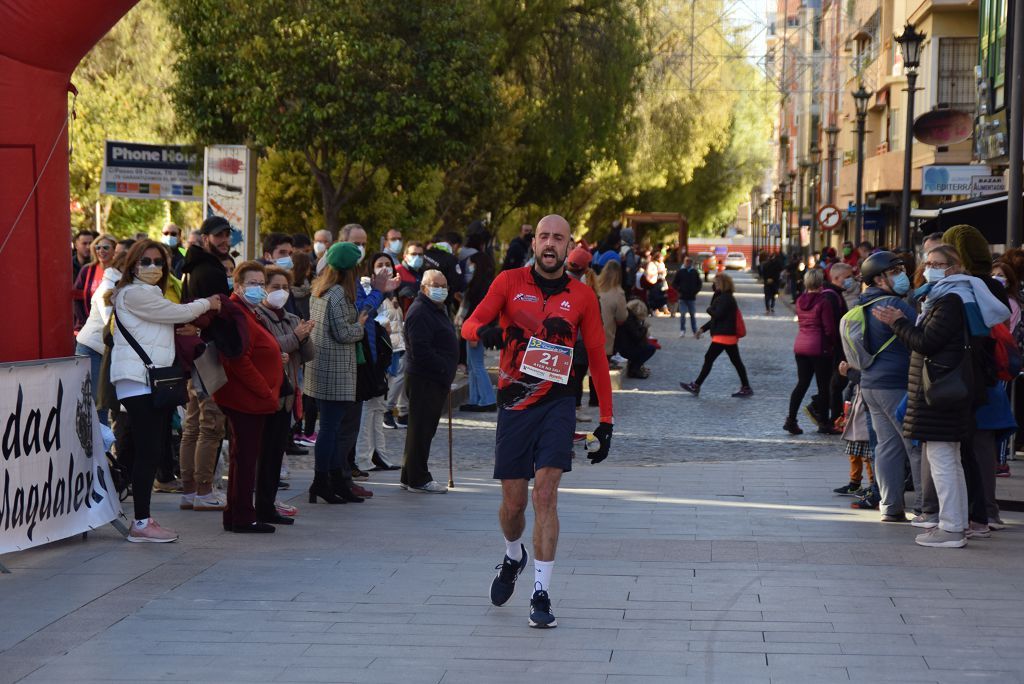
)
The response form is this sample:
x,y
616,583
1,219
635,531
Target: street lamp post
x,y
815,163
780,195
910,45
830,139
860,98
790,187
805,166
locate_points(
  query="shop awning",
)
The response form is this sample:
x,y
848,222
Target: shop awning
x,y
987,214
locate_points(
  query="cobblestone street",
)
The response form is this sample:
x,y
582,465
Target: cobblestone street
x,y
708,548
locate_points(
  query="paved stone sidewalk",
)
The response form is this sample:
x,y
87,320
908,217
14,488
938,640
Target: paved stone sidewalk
x,y
708,548
726,572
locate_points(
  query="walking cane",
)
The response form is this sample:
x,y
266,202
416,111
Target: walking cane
x,y
451,477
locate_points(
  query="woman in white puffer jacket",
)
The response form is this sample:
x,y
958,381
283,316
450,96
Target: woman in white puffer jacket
x,y
89,341
140,307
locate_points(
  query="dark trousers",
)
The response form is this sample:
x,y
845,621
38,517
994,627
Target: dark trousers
x,y
819,369
146,419
977,512
268,466
354,416
310,410
638,356
579,371
835,390
771,292
246,440
714,351
339,428
427,400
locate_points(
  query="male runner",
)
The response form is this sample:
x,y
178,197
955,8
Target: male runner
x,y
539,310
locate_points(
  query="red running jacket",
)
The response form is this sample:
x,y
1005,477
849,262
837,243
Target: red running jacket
x,y
523,312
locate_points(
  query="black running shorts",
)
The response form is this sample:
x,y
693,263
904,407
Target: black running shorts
x,y
533,438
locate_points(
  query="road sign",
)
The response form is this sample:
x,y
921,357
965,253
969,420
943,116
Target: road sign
x,y
829,217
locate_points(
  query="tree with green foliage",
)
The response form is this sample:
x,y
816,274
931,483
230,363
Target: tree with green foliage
x,y
123,85
354,86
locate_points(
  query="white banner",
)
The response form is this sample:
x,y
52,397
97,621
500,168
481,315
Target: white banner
x,y
226,193
54,481
142,171
953,179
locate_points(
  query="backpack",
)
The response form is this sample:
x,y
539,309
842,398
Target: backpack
x,y
853,328
1007,353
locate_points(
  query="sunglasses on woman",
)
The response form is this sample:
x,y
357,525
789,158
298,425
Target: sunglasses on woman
x,y
146,261
104,248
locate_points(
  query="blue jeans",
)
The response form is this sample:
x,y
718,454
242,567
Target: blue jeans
x,y
481,392
688,306
339,428
95,360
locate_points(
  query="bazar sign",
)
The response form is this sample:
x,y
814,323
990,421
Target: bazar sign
x,y
54,481
142,171
951,179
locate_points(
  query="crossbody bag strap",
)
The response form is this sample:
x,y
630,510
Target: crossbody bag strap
x,y
131,340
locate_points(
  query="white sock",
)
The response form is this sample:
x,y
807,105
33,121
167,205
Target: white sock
x,y
514,549
542,573
142,524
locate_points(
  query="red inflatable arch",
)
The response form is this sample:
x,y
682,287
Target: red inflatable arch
x,y
41,43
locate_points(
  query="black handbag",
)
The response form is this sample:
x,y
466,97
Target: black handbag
x,y
947,386
167,385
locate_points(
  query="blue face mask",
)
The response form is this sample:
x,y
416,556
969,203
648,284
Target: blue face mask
x,y
901,284
437,294
414,262
849,283
254,294
231,283
284,262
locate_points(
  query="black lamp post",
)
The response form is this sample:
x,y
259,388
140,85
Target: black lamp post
x,y
830,139
780,195
814,165
860,98
910,45
805,166
789,187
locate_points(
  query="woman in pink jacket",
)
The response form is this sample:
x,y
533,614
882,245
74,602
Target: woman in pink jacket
x,y
814,349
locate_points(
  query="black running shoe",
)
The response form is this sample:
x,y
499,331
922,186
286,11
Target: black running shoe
x,y
504,583
541,616
850,489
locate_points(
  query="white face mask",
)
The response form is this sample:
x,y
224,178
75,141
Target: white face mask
x,y
319,248
362,253
437,294
276,299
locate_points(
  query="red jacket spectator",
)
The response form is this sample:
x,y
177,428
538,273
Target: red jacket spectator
x,y
254,378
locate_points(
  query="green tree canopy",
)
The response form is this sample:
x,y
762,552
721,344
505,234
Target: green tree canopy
x,y
355,86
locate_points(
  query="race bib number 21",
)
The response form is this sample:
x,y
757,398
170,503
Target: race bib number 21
x,y
547,360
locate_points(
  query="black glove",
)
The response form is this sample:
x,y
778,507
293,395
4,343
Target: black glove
x,y
492,337
604,436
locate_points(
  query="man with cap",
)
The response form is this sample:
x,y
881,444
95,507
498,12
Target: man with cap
x,y
883,384
203,427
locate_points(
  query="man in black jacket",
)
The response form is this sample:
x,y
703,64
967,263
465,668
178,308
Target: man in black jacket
x,y
687,283
771,272
431,354
204,274
203,427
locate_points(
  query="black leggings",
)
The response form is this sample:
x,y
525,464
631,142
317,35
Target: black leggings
x,y
155,423
713,353
771,291
818,368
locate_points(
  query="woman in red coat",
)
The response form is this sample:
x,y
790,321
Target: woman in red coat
x,y
250,395
814,348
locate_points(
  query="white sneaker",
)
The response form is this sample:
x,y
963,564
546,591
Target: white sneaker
x,y
582,416
939,538
284,473
214,501
187,501
619,359
926,521
150,533
431,487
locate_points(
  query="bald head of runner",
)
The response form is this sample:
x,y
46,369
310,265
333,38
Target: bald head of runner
x,y
551,244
